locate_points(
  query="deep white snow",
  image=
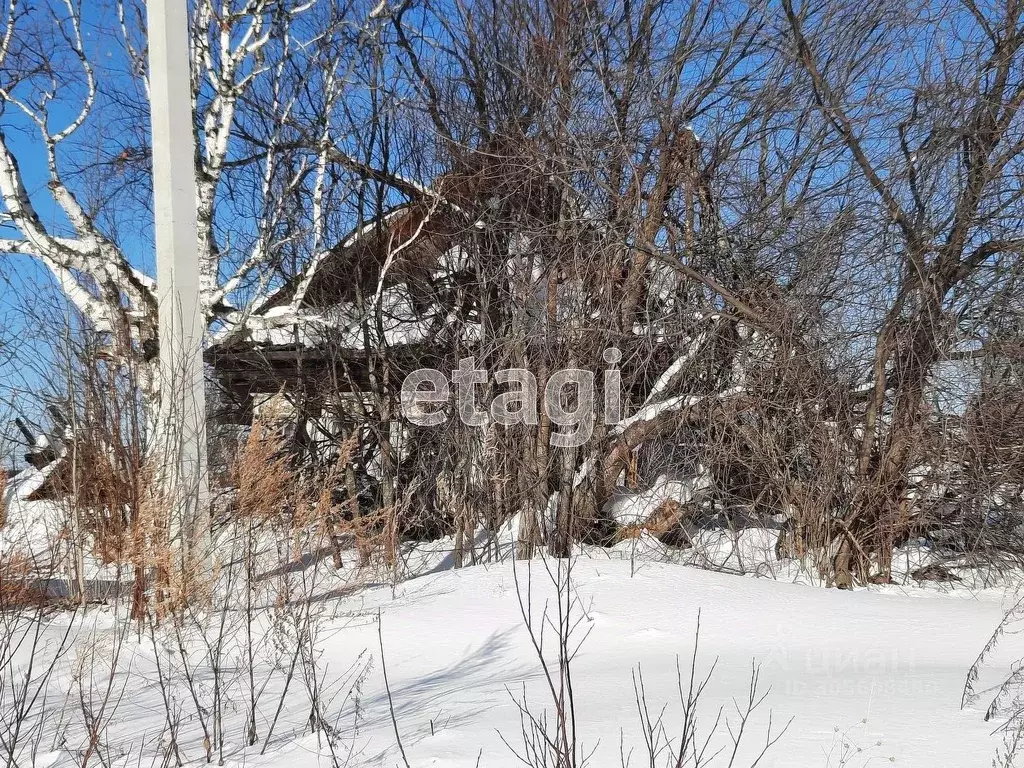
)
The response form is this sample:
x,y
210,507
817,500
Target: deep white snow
x,y
868,677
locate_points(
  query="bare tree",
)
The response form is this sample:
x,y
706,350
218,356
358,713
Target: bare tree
x,y
937,140
268,144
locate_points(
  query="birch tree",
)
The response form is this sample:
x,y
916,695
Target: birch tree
x,y
268,81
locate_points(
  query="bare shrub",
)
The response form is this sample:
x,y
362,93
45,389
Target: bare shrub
x,y
36,636
684,744
548,736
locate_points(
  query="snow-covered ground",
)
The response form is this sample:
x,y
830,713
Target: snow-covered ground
x,y
884,672
881,672
867,677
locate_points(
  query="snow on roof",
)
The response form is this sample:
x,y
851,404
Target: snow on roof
x,y
33,528
294,290
346,327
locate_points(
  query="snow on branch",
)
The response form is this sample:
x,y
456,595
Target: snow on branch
x,y
672,373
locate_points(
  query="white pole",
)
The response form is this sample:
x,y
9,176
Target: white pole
x,y
181,428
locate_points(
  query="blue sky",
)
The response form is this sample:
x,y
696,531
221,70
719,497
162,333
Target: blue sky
x,y
32,306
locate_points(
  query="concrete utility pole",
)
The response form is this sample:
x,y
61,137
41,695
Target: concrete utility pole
x,y
181,428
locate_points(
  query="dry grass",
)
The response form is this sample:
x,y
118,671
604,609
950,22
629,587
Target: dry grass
x,y
262,476
20,584
4,478
667,516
